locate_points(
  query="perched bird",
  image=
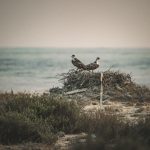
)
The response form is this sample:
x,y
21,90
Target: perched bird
x,y
76,62
94,65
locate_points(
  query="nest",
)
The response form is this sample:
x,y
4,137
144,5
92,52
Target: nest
x,y
116,85
84,79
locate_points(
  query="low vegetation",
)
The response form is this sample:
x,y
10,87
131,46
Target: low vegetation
x,y
107,132
26,117
33,118
40,118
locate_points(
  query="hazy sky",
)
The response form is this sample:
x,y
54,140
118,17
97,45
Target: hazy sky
x,y
75,23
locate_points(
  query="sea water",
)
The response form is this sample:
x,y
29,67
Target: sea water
x,y
38,69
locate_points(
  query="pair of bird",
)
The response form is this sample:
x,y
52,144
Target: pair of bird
x,y
92,66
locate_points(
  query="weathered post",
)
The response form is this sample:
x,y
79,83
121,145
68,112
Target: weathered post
x,y
101,90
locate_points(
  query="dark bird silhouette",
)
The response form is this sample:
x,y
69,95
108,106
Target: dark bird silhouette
x,y
94,65
76,62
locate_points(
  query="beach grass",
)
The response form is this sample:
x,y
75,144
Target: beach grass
x,y
108,132
26,117
33,118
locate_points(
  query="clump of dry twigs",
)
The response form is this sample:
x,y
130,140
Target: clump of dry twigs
x,y
116,84
85,79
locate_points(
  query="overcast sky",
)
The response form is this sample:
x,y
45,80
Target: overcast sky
x,y
75,23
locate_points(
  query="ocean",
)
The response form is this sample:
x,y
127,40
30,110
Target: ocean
x,y
39,69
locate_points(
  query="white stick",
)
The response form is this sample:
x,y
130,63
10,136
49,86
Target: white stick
x,y
101,90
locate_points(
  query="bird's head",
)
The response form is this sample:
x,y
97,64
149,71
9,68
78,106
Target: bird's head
x,y
97,58
73,56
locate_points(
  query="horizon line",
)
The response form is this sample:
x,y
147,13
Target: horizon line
x,y
63,47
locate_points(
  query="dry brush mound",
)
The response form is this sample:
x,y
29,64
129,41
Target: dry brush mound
x,y
116,84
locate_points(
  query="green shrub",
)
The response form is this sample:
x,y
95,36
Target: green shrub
x,y
35,118
14,128
100,123
111,134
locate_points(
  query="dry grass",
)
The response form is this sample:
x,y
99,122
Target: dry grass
x,y
107,132
38,118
